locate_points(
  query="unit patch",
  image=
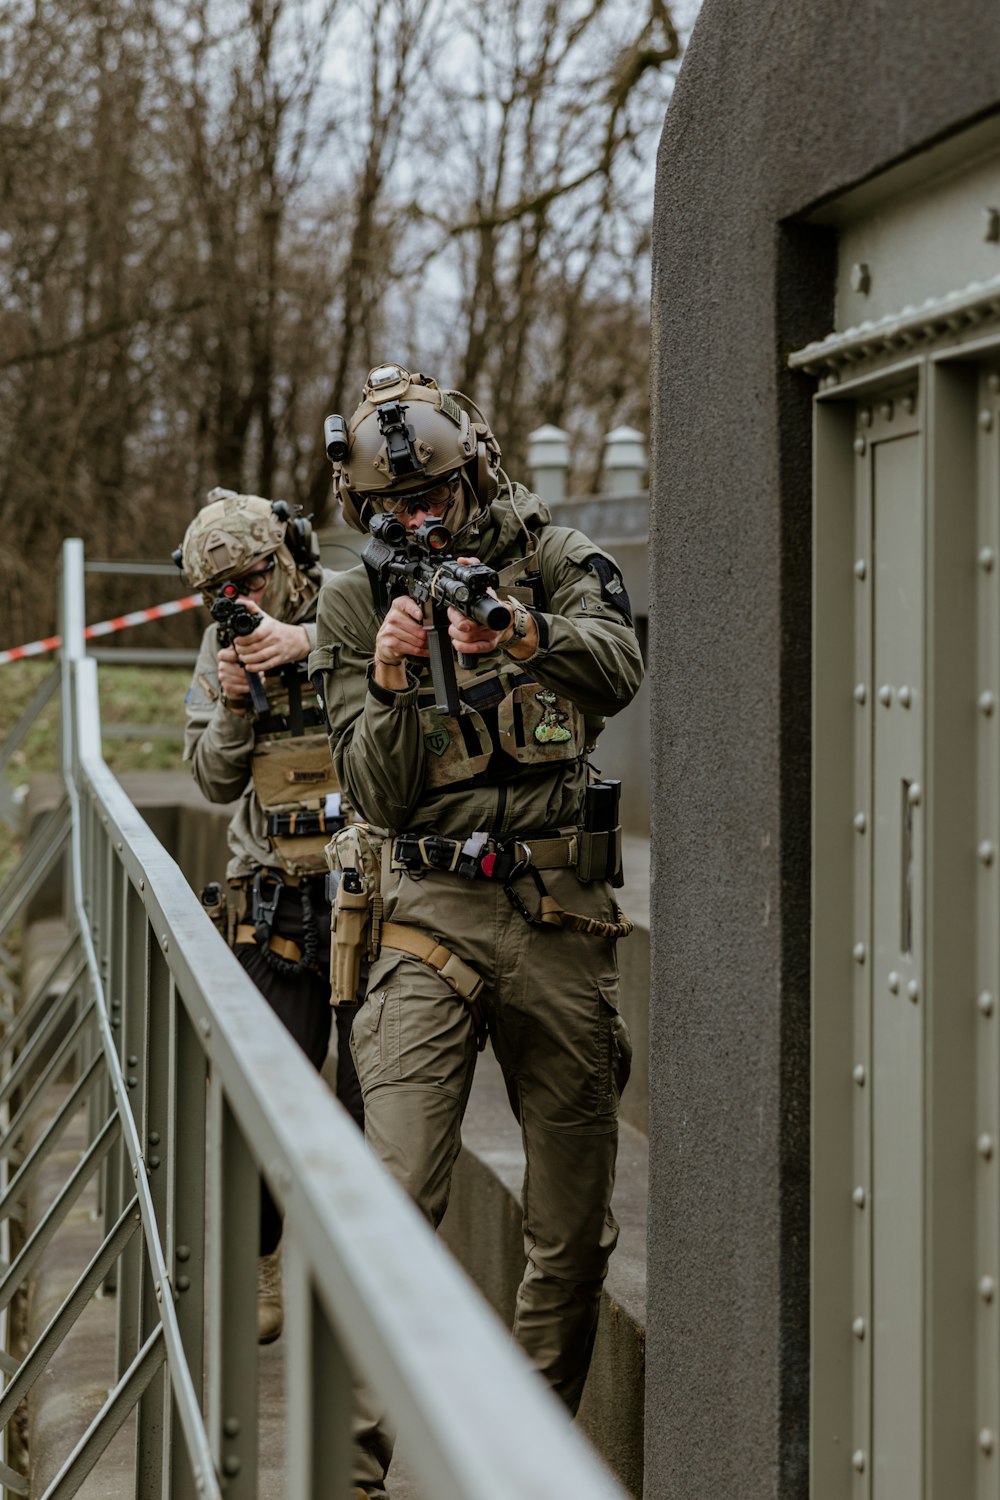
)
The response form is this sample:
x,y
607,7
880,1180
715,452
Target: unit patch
x,y
438,740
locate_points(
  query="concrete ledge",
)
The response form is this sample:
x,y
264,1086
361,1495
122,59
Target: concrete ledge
x,y
482,1228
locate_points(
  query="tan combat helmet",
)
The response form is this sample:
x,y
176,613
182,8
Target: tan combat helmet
x,y
406,436
225,537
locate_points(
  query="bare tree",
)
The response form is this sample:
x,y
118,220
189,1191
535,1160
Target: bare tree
x,y
215,215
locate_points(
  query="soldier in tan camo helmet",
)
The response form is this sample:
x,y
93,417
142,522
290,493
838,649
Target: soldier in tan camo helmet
x,y
275,764
227,535
234,531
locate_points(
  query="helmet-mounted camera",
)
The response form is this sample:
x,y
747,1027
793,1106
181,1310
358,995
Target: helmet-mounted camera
x,y
336,438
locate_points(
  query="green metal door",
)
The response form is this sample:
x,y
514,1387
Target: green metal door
x,y
894,1188
906,932
905,1125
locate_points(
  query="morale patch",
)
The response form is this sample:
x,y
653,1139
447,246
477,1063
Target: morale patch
x,y
438,740
551,728
613,590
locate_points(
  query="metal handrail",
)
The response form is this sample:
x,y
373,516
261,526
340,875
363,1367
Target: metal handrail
x,y
203,1088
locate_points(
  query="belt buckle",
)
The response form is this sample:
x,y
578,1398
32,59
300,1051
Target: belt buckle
x,y
470,859
439,853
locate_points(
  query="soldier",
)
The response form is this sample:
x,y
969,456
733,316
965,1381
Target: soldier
x,y
496,910
276,760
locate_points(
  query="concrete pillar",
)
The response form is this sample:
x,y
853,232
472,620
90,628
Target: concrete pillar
x,y
548,461
624,461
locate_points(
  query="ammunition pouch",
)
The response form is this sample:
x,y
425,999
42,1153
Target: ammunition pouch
x,y
599,856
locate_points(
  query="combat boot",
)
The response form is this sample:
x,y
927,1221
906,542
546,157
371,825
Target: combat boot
x,y
270,1304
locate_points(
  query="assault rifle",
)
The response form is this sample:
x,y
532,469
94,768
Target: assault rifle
x,y
234,619
416,563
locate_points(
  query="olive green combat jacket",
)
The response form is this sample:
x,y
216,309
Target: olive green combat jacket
x,y
219,745
383,751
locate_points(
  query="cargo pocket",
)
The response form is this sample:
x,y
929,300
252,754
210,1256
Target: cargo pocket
x,y
375,1036
616,1047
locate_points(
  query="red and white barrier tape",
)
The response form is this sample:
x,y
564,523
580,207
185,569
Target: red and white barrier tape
x,y
104,627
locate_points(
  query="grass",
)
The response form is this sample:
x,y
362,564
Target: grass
x,y
129,695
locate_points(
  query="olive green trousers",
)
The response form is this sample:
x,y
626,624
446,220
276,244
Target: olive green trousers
x,y
550,1000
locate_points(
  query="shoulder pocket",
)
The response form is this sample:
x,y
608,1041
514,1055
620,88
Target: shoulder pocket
x,y
322,659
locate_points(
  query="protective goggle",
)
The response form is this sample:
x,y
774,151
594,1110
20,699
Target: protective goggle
x,y
431,497
249,582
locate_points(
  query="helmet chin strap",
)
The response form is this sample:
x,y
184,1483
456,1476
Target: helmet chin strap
x,y
472,523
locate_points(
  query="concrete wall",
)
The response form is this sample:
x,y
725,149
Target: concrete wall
x,y
777,107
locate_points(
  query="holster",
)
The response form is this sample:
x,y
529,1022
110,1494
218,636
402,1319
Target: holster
x,y
350,912
215,907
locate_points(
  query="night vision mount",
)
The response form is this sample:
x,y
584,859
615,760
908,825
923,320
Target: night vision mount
x,y
400,440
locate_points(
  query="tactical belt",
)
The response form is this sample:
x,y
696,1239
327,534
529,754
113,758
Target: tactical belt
x,y
314,878
284,947
506,860
305,824
481,856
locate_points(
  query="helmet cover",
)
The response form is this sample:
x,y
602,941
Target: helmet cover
x,y
227,535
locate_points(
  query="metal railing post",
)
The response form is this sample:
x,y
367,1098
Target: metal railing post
x,y
234,1229
320,1391
156,1001
185,1224
123,1024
